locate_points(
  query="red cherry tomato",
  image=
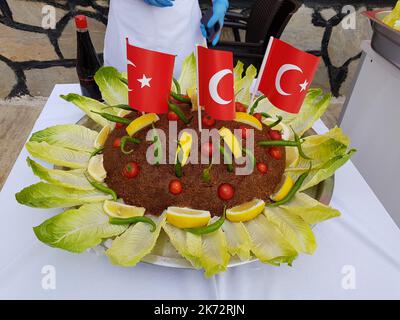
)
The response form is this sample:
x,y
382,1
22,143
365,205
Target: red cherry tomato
x,y
207,149
275,135
117,143
275,153
245,132
240,107
226,191
172,116
258,116
262,167
119,125
131,170
175,187
208,121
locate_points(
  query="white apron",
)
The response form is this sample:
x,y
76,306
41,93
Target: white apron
x,y
174,30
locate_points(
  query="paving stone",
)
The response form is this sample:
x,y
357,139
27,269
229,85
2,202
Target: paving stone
x,y
7,79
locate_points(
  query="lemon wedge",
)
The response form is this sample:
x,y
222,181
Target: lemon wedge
x,y
246,211
141,122
187,218
102,137
121,210
96,169
185,144
284,188
192,93
248,119
231,141
286,133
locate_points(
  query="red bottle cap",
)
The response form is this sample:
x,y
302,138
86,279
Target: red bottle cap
x,y
81,22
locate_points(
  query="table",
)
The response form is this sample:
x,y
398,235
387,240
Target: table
x,y
358,254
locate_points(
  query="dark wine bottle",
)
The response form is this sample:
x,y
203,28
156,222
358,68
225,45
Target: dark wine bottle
x,y
87,60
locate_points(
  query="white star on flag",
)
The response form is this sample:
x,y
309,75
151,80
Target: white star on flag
x,y
145,82
304,85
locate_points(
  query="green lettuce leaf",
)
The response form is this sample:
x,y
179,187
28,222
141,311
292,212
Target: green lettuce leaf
x,y
87,105
113,90
44,195
242,87
237,74
188,77
268,244
311,210
71,179
71,136
135,243
58,155
238,240
295,230
77,230
194,248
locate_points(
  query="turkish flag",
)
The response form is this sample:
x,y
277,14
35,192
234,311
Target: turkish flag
x,y
149,79
286,75
215,82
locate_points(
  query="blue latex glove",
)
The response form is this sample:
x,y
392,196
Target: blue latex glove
x,y
160,3
219,10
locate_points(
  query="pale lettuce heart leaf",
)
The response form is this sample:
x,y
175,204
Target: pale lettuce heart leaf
x,y
113,90
87,105
295,230
71,136
71,179
267,242
58,155
242,88
237,74
188,77
44,195
238,239
77,230
194,248
180,242
135,243
311,210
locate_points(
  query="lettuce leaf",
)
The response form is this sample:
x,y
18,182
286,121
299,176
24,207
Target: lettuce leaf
x,y
238,240
242,87
71,179
113,90
188,77
311,210
87,105
44,195
295,230
268,244
71,136
237,74
135,243
194,248
58,155
77,230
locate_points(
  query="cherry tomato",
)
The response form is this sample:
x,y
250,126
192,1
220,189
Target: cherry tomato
x,y
131,170
119,125
172,116
262,167
117,143
240,107
207,149
258,116
275,135
226,191
208,121
275,153
245,132
175,187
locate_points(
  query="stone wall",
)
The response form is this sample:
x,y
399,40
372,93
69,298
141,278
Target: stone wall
x,y
33,59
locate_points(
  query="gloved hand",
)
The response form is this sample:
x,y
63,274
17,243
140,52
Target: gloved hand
x,y
219,10
160,3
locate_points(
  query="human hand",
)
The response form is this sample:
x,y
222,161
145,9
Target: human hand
x,y
219,10
159,3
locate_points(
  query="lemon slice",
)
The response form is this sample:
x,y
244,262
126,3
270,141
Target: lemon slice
x,y
121,210
102,137
245,211
231,141
287,134
185,144
292,156
96,169
248,119
122,113
187,218
141,122
192,93
284,188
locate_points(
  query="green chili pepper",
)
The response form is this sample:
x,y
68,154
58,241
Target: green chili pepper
x,y
255,104
113,118
178,164
210,228
250,154
206,176
265,115
277,143
296,187
126,139
180,98
276,122
120,106
226,156
157,145
299,142
174,108
177,86
101,187
97,151
121,221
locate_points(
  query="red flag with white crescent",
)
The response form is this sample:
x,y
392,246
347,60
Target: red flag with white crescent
x,y
149,79
216,88
287,73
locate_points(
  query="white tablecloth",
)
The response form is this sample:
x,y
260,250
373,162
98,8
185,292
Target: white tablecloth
x,y
362,245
